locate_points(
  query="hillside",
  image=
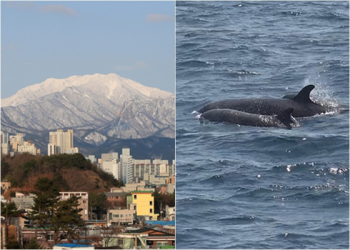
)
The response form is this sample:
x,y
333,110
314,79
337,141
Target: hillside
x,y
69,172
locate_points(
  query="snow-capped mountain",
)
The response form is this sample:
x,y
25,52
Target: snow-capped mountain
x,y
109,104
139,119
111,87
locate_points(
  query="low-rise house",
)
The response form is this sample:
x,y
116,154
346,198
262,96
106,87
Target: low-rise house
x,y
144,202
140,239
42,235
133,186
116,217
157,180
23,202
116,199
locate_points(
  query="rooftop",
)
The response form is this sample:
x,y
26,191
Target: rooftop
x,y
72,245
150,232
140,192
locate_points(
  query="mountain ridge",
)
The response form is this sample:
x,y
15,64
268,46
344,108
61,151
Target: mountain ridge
x,y
44,88
109,106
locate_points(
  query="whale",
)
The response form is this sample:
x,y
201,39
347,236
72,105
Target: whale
x,y
301,103
330,107
284,119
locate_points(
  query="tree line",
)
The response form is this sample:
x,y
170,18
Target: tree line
x,y
24,167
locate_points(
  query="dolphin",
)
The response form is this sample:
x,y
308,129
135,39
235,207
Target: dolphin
x,y
302,105
284,119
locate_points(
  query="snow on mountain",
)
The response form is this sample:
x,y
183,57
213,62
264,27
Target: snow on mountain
x,y
138,119
109,86
95,138
110,104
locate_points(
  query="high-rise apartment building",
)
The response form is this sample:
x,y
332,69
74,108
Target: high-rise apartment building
x,y
113,167
126,163
5,143
61,143
157,167
16,143
16,140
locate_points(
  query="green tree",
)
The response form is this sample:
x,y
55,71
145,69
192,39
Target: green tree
x,y
97,203
32,244
164,199
5,169
14,244
53,215
8,210
157,200
47,195
66,220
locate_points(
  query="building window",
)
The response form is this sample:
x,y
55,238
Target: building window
x,y
50,237
135,196
150,211
150,203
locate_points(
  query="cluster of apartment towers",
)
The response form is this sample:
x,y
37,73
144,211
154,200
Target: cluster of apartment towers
x,y
125,168
59,143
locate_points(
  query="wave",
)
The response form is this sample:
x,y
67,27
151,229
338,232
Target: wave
x,y
193,63
242,72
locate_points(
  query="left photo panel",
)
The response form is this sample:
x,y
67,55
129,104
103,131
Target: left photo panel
x,y
87,125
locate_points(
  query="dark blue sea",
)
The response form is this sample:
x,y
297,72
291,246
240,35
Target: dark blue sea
x,y
253,187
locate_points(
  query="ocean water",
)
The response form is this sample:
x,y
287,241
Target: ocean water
x,y
251,187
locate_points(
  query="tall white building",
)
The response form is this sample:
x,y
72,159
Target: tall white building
x,y
16,140
61,143
126,163
109,163
112,167
5,143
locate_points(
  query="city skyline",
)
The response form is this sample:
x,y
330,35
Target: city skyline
x,y
42,40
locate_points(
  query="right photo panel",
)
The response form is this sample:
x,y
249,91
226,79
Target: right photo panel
x,y
262,125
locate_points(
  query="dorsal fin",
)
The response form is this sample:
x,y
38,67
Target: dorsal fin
x,y
304,94
286,117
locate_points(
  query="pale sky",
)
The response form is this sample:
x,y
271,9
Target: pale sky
x,y
41,40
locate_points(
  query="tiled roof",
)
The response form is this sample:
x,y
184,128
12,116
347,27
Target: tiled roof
x,y
150,232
